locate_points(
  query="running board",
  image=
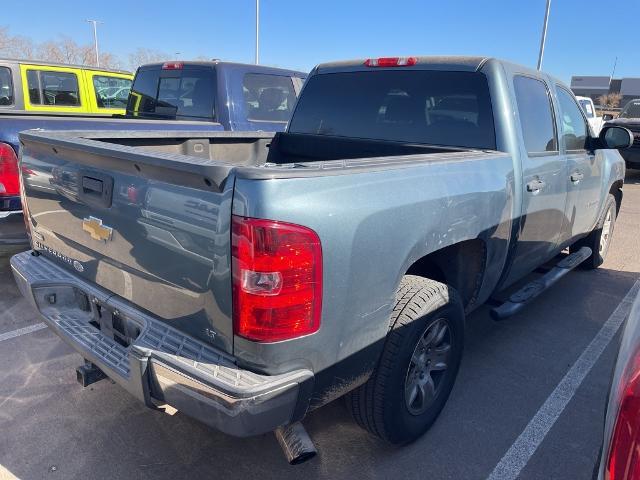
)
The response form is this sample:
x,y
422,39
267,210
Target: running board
x,y
518,300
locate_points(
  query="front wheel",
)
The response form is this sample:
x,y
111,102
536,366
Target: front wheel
x,y
418,366
599,240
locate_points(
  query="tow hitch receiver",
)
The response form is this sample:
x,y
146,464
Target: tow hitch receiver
x,y
88,374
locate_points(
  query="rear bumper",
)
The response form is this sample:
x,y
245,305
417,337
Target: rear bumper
x,y
161,365
12,229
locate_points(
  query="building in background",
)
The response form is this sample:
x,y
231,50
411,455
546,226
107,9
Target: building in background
x,y
594,87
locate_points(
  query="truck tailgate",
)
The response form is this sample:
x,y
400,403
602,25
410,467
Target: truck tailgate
x,y
150,227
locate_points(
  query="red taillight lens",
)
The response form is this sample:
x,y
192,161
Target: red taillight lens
x,y
9,178
172,66
391,62
277,280
623,462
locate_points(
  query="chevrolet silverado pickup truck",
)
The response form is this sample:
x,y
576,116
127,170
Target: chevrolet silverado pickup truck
x,y
207,96
245,279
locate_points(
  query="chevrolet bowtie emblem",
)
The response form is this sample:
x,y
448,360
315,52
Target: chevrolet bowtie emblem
x,y
93,226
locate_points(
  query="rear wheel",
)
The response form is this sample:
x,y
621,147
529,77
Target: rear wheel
x,y
599,240
418,366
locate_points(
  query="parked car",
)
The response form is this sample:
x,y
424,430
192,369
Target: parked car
x,y
590,112
28,86
630,118
235,282
186,96
621,444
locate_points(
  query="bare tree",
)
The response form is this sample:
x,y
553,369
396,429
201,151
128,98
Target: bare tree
x,y
142,56
603,100
615,99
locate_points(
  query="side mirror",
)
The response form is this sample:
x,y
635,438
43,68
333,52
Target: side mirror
x,y
615,137
606,117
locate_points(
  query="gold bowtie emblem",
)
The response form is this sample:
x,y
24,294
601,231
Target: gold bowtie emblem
x,y
93,226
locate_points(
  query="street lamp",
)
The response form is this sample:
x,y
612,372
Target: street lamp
x,y
544,34
257,31
95,39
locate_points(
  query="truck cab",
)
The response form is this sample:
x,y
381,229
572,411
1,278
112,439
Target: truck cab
x,y
233,96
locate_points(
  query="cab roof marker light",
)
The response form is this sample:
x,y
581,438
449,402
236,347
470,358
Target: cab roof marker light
x,y
391,62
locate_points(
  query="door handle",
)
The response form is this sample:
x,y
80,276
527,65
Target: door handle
x,y
577,176
534,186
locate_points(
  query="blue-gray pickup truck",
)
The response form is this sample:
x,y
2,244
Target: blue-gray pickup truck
x,y
188,96
246,280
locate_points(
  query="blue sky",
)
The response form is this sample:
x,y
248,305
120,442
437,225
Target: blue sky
x,y
302,33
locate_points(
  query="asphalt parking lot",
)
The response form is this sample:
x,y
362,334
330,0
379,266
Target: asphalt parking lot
x,y
51,428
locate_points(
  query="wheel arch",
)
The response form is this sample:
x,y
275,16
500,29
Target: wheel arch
x,y
616,191
460,265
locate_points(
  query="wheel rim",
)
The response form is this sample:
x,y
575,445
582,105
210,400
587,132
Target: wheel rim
x,y
605,236
427,368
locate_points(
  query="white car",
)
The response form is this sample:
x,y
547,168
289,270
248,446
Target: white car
x,y
590,111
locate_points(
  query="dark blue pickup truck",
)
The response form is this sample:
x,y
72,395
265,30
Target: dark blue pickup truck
x,y
184,96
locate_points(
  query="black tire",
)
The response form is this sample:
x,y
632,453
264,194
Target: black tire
x,y
593,239
380,405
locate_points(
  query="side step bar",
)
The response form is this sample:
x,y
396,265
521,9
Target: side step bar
x,y
518,300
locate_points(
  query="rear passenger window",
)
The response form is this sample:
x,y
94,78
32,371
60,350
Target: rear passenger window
x,y
574,127
111,92
59,89
6,87
268,98
536,117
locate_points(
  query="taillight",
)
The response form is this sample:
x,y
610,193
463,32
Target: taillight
x,y
391,62
9,178
277,279
172,66
623,461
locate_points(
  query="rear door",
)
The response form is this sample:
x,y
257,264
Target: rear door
x,y
53,89
584,168
544,173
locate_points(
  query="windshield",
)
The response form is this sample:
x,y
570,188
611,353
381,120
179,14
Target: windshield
x,y
415,106
631,110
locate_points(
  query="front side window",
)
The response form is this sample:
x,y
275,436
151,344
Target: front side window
x,y
111,92
6,87
56,89
451,109
536,117
268,97
574,127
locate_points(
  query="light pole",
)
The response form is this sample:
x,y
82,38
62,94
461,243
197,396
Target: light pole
x,y
544,34
257,31
95,39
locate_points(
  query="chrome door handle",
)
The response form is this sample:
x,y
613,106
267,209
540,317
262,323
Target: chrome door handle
x,y
534,186
577,176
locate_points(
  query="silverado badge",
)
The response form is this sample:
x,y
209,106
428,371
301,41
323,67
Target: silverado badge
x,y
93,226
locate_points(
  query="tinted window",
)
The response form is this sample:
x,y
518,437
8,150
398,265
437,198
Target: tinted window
x,y
111,92
185,93
574,127
60,89
631,110
415,106
536,119
6,87
268,97
33,84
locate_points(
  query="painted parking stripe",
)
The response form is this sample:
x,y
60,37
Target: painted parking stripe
x,y
21,331
534,433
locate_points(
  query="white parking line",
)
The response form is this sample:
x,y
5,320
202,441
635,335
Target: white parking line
x,y
21,331
530,439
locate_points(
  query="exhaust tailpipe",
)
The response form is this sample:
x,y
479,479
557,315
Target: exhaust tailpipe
x,y
295,443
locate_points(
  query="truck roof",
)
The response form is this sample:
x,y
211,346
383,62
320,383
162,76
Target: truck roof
x,y
463,63
57,64
231,65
